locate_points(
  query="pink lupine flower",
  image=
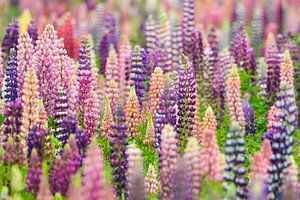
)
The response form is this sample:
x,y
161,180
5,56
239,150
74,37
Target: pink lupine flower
x,y
107,119
287,70
151,182
44,192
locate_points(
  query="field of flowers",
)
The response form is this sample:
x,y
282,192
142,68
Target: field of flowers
x,y
149,99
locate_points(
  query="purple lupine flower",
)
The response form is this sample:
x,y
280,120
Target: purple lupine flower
x,y
239,49
35,140
281,40
11,77
118,158
188,25
34,173
150,35
257,28
98,25
60,112
252,63
110,37
250,127
138,73
273,60
166,114
32,30
214,46
13,153
84,72
235,158
64,167
197,55
177,46
186,99
10,39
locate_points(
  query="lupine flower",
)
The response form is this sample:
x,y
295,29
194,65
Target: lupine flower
x,y
150,132
74,190
233,97
150,35
32,30
124,57
292,177
164,42
73,96
34,173
259,169
250,127
107,119
42,120
65,31
133,115
262,78
1,71
84,72
10,39
186,100
257,27
24,20
214,46
24,59
112,65
193,161
209,155
38,139
44,192
30,92
138,73
13,152
118,156
182,186
11,77
207,75
273,60
166,114
287,70
197,57
98,25
209,121
134,174
188,25
112,92
155,91
235,158
151,183
177,46
64,167
168,160
93,174
60,112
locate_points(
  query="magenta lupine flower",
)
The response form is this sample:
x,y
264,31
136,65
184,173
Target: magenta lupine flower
x,y
188,25
32,30
168,160
11,77
10,39
118,157
84,72
273,60
24,58
93,174
186,100
177,46
134,175
34,173
64,167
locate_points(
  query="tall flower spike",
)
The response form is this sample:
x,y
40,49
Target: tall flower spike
x,y
168,160
30,112
84,72
74,190
44,192
133,115
250,127
1,72
32,30
13,152
149,137
11,77
192,157
188,25
138,73
10,39
150,35
164,40
209,155
112,65
235,158
257,27
177,46
262,77
118,156
155,91
209,120
134,175
34,173
93,174
207,66
24,58
292,177
60,112
73,96
166,114
42,120
107,119
151,183
259,169
287,70
233,97
186,100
